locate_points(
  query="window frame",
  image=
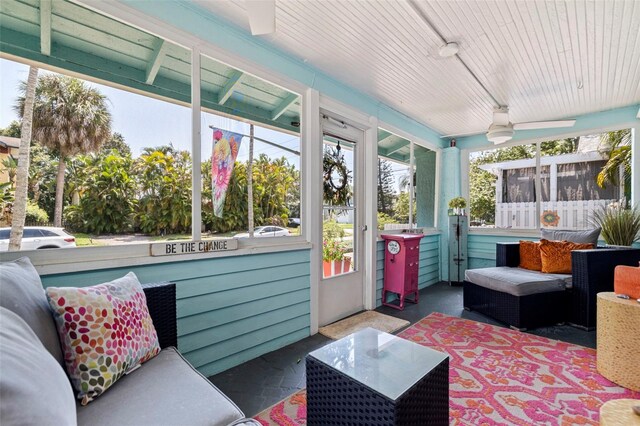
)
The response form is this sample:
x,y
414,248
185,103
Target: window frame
x,y
414,140
535,232
50,261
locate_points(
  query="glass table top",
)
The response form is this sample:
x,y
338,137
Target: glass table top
x,y
383,362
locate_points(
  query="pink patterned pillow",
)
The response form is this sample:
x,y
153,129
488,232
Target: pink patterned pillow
x,y
105,332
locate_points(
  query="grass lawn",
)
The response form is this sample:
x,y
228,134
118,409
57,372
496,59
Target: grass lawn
x,y
85,240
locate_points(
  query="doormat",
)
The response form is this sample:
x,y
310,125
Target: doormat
x,y
372,319
498,376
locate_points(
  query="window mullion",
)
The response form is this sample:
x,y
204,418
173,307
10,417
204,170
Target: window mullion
x,y
538,187
196,174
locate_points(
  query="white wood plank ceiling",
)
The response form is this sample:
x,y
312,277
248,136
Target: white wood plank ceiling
x,y
544,59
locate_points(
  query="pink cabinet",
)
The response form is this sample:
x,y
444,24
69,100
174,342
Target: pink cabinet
x,y
401,258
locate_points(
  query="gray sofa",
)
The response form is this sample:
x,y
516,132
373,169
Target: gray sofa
x,y
34,388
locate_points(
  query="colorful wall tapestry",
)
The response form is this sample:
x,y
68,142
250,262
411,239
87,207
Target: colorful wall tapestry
x,y
223,156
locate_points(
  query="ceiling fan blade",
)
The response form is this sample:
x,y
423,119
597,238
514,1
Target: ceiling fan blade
x,y
262,16
534,125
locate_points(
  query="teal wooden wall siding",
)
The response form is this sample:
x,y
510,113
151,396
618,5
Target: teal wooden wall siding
x,y
429,272
482,248
231,309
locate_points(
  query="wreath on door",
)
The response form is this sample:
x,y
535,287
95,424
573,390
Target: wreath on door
x,y
336,178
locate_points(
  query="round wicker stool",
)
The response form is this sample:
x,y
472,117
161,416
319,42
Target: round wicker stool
x,y
619,412
618,338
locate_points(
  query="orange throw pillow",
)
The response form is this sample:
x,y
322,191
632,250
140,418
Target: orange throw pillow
x,y
556,255
627,281
530,256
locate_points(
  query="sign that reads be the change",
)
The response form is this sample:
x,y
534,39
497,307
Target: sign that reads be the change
x,y
191,247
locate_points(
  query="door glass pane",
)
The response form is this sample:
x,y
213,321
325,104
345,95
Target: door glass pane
x,y
339,207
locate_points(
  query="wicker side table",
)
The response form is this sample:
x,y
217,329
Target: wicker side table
x,y
371,378
618,340
619,412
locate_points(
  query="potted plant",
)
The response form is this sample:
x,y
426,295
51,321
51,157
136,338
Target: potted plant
x,y
334,261
457,205
620,225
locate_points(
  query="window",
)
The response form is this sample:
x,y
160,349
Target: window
x,y
406,190
31,233
574,178
135,184
248,124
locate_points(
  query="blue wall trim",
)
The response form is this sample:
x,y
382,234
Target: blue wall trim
x,y
200,22
230,310
584,124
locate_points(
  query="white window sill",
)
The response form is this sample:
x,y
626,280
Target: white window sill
x,y
60,261
511,232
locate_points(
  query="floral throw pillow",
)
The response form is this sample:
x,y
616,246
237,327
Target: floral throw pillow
x,y
105,332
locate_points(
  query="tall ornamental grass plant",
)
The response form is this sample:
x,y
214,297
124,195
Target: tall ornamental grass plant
x,y
620,225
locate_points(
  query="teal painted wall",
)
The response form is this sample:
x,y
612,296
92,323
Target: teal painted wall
x,y
482,248
200,22
231,309
429,261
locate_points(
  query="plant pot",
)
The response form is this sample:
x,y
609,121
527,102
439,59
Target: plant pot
x,y
335,267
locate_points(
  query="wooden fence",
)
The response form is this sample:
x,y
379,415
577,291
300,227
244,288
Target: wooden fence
x,y
570,214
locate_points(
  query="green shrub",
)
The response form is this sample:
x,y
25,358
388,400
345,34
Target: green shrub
x,y
331,230
384,219
35,214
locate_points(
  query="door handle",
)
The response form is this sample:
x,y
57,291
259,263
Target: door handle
x,y
364,228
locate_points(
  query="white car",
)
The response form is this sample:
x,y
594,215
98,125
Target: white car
x,y
39,237
266,231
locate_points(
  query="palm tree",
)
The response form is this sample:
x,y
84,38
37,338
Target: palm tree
x,y
618,146
70,118
10,165
22,169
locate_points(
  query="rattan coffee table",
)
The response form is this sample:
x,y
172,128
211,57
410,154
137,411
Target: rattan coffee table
x,y
374,378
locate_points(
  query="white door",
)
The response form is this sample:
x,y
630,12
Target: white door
x,y
342,280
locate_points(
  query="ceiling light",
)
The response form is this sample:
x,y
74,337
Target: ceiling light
x,y
448,50
500,134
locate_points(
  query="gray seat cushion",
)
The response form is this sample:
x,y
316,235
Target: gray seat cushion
x,y
21,292
517,281
585,236
34,389
165,390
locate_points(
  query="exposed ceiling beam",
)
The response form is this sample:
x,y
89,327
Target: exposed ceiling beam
x,y
157,57
397,146
284,105
232,83
45,27
387,137
382,134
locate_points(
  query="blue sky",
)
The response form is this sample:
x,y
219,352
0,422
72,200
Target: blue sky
x,y
148,122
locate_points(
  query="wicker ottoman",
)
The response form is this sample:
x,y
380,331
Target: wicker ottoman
x,y
371,378
618,339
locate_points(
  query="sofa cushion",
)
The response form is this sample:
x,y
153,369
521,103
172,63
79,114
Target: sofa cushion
x,y
530,257
556,255
34,390
587,236
21,292
166,390
516,281
106,331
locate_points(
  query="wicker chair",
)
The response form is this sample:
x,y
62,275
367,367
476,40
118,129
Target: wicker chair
x,y
592,272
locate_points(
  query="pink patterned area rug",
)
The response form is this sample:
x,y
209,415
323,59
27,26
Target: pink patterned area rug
x,y
499,377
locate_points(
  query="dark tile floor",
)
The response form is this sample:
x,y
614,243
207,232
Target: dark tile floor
x,y
262,382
